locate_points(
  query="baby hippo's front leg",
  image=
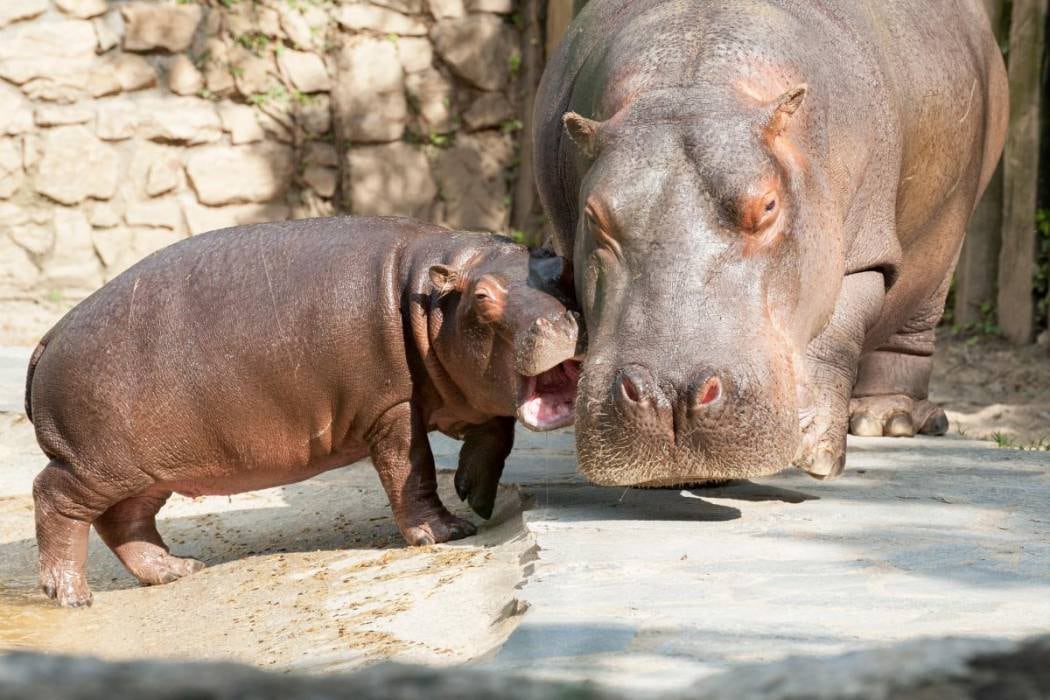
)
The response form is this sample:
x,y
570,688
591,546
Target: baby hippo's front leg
x,y
401,454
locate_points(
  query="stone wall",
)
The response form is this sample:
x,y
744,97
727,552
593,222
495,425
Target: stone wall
x,y
126,125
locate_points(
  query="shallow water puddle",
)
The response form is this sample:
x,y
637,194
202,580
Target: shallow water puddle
x,y
27,618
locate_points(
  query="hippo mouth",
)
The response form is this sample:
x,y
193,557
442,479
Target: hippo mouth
x,y
548,399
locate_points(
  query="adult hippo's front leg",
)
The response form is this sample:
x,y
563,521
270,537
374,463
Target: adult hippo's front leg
x,y
831,370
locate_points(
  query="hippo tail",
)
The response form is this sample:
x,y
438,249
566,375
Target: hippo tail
x,y
33,361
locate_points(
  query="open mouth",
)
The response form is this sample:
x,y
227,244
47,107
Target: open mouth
x,y
548,399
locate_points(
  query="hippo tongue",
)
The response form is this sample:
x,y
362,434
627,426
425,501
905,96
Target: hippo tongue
x,y
549,397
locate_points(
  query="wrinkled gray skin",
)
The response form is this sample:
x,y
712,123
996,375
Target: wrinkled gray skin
x,y
764,201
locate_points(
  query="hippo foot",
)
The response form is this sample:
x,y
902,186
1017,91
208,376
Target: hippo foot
x,y
478,490
895,415
165,569
70,589
441,528
822,451
823,463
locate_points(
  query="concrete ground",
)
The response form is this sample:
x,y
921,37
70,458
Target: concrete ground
x,y
641,589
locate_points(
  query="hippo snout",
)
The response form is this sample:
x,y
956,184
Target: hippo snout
x,y
683,423
667,411
547,342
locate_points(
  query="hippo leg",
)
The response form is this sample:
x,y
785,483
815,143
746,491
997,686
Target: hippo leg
x,y
831,367
129,528
63,521
485,450
401,454
890,396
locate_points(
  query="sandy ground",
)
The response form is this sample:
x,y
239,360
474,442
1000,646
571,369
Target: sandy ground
x,y
312,576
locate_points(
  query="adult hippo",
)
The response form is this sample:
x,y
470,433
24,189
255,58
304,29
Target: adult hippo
x,y
763,201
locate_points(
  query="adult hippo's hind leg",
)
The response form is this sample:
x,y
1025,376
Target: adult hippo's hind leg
x,y
129,528
890,395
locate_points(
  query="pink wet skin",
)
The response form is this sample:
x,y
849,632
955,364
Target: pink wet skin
x,y
549,399
263,355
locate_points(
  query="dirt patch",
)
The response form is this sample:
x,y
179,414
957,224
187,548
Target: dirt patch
x,y
994,391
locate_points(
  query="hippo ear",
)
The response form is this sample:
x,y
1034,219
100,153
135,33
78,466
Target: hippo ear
x,y
783,108
550,273
583,132
444,278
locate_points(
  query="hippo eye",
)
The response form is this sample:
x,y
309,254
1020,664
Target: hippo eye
x,y
596,219
763,212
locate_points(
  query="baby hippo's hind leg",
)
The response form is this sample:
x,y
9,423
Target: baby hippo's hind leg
x,y
129,528
65,508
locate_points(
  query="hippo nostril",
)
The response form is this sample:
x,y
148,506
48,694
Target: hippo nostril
x,y
708,392
629,389
634,386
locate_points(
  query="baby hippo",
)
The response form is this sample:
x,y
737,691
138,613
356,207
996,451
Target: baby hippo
x,y
263,355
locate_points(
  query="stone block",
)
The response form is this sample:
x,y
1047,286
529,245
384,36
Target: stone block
x,y
72,263
478,48
305,71
321,180
446,9
11,173
16,112
185,120
76,165
368,94
415,54
412,7
183,77
162,176
389,180
503,7
82,9
432,94
152,25
471,175
15,10
117,120
256,173
239,120
315,115
360,16
54,115
134,72
202,218
490,110
155,213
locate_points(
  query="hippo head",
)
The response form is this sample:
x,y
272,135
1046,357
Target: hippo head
x,y
508,334
705,262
